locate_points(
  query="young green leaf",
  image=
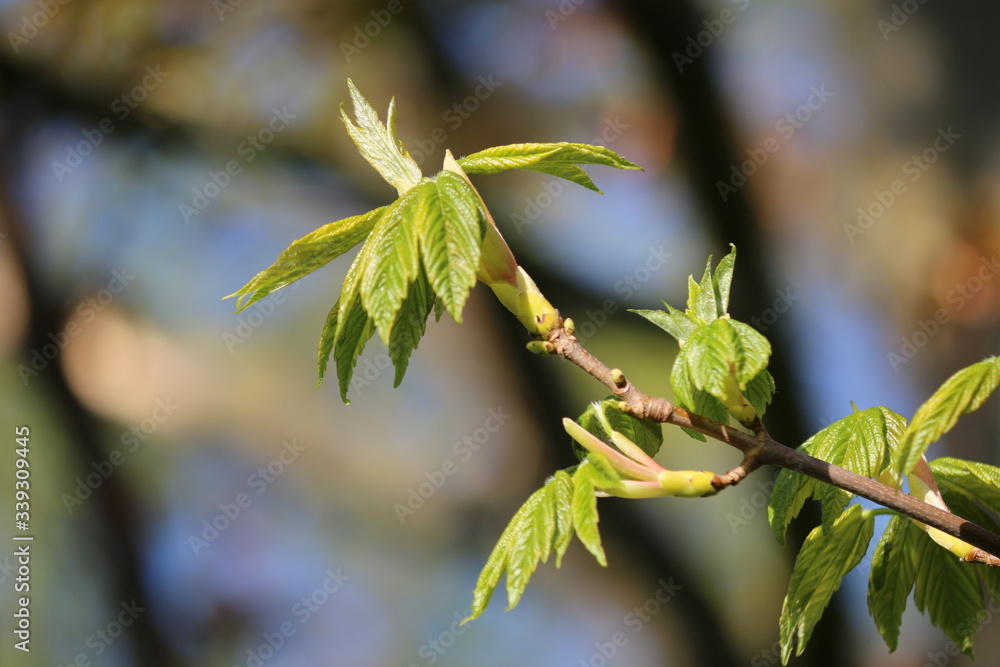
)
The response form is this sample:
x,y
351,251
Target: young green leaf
x,y
689,397
531,545
451,236
378,143
676,323
960,394
546,522
703,303
648,435
354,335
949,592
589,477
708,300
562,501
411,321
893,573
498,560
302,257
977,481
722,349
723,280
390,259
860,442
827,555
559,159
759,391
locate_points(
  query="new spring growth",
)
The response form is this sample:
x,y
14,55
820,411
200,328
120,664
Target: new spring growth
x,y
642,477
923,486
510,283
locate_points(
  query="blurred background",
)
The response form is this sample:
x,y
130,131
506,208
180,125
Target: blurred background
x,y
197,500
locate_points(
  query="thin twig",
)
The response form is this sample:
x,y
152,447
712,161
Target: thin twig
x,y
760,449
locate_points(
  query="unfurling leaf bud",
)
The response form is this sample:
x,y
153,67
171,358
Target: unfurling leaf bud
x,y
534,311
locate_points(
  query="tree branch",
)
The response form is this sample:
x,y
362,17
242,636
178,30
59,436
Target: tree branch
x,y
761,449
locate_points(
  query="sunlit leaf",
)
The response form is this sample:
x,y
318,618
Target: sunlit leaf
x,y
893,573
977,481
559,159
411,321
760,391
948,591
357,330
674,322
860,442
378,143
689,397
703,302
302,257
451,236
828,553
960,394
390,258
545,523
723,280
724,348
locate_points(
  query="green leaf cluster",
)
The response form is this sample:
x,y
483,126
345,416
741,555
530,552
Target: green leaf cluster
x,y
952,593
425,246
421,252
878,443
567,504
721,367
860,442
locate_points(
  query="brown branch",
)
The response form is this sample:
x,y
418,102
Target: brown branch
x,y
760,449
